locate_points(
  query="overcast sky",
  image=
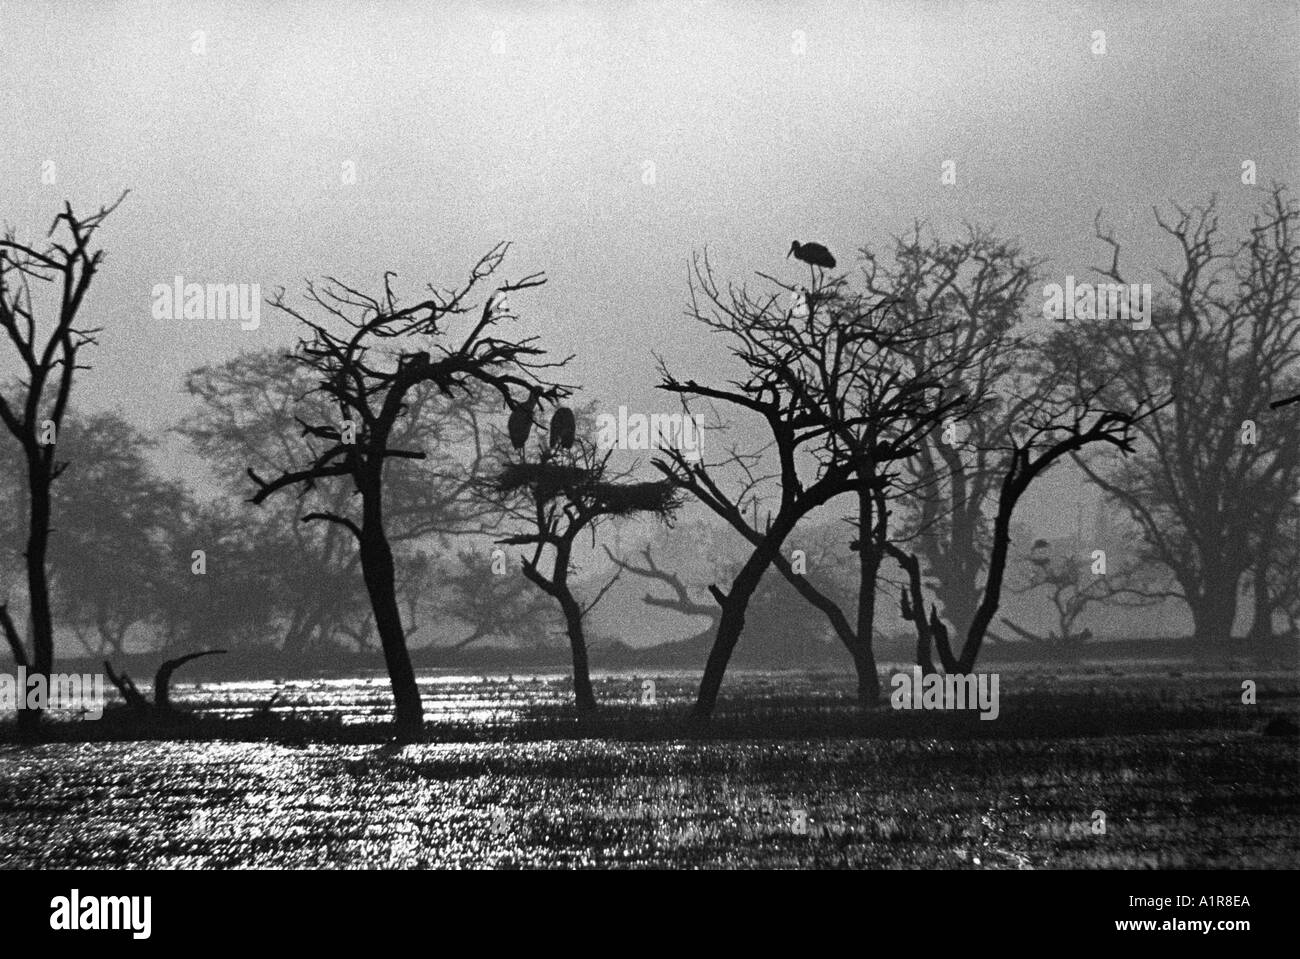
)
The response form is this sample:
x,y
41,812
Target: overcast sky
x,y
536,122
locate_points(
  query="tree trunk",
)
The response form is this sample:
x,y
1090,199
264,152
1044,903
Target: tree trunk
x,y
557,587
1214,609
38,589
992,597
730,626
584,697
1261,627
869,556
381,584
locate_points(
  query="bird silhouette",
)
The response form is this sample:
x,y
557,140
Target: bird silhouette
x,y
814,254
564,427
520,424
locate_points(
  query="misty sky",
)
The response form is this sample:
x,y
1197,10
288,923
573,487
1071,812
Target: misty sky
x,y
534,122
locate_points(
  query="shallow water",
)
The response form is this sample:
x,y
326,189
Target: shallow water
x,y
1204,797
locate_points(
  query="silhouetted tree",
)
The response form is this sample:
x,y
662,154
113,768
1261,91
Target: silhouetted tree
x,y
557,498
47,348
777,629
368,368
1068,583
1215,470
1284,575
975,288
829,373
250,407
212,588
1059,416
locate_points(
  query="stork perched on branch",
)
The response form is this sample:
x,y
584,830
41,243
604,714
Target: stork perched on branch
x,y
814,254
520,423
564,428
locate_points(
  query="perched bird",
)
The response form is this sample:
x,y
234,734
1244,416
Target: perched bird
x,y
520,423
814,254
563,428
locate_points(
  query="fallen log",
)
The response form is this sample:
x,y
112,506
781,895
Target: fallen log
x,y
161,684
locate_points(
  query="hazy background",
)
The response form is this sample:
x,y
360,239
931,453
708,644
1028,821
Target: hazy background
x,y
536,122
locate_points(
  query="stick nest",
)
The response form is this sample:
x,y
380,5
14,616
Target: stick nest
x,y
579,485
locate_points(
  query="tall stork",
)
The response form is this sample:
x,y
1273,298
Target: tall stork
x,y
814,254
520,424
564,428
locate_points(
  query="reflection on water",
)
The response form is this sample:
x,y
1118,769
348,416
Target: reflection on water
x,y
901,799
448,697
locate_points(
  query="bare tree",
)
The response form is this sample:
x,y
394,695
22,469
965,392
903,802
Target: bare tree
x,y
1214,473
975,287
682,598
248,414
776,624
558,498
370,389
1069,584
1062,418
833,377
48,352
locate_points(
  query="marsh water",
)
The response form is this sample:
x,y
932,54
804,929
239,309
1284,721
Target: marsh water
x,y
1189,781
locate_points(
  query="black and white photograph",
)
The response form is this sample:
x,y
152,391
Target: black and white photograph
x,y
650,436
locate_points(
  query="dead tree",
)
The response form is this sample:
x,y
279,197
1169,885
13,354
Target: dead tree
x,y
1062,420
773,612
162,702
1072,588
767,338
559,498
975,288
370,388
829,374
48,356
681,600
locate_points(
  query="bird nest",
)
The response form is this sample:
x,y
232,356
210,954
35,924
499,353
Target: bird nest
x,y
550,480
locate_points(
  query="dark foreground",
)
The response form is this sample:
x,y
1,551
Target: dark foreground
x,y
1129,767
